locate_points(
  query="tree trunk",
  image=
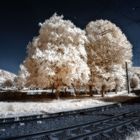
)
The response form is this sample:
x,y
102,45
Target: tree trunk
x,y
74,90
103,93
90,90
57,94
52,88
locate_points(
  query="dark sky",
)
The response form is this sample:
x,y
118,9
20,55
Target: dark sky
x,y
19,23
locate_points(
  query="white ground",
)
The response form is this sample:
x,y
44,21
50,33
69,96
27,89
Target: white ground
x,y
10,109
123,93
134,136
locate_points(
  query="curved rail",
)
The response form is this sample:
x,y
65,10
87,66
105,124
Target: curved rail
x,y
55,115
88,130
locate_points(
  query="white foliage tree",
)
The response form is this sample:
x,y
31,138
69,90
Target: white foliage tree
x,y
57,56
108,49
21,79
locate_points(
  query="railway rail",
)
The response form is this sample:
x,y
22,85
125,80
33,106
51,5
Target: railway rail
x,y
56,115
114,120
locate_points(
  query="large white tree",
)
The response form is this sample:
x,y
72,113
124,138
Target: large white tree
x,y
108,49
57,56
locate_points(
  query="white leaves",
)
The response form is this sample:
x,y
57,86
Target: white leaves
x,y
63,54
111,47
57,55
40,24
